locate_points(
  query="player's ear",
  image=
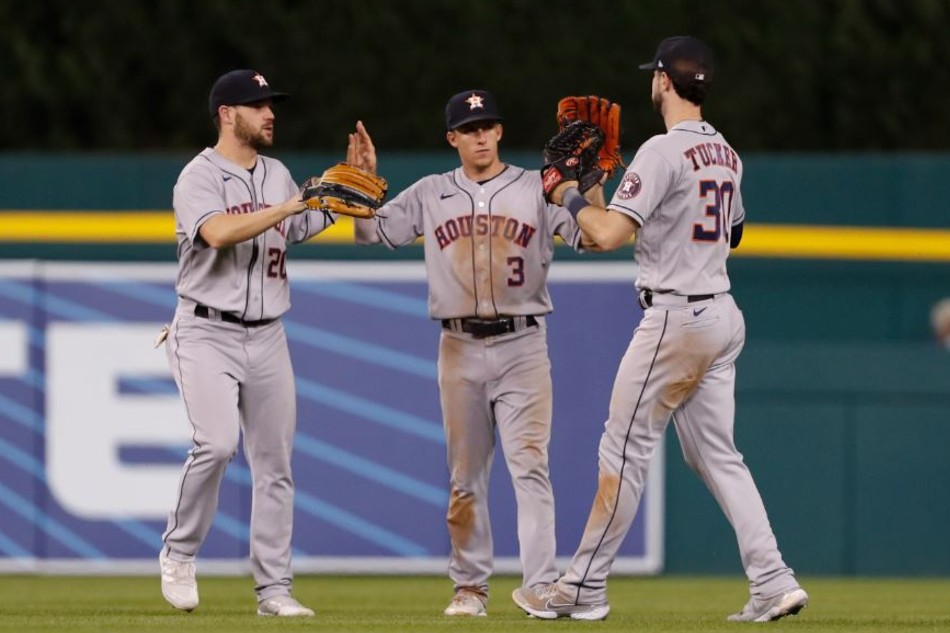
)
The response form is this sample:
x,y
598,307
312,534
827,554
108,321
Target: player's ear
x,y
500,130
452,137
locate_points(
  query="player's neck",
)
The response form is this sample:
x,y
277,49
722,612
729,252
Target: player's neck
x,y
237,152
477,173
676,112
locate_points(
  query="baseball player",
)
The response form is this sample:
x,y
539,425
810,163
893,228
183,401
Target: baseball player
x,y
940,322
680,198
235,212
489,240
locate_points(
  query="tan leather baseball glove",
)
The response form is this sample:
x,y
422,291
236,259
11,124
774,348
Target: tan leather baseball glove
x,y
346,190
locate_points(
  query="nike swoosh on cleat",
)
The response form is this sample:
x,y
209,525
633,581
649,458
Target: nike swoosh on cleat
x,y
447,195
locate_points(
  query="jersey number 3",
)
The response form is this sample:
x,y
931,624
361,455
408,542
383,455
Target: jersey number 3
x,y
718,197
517,271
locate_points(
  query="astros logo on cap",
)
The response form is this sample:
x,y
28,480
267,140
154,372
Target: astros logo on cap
x,y
474,102
259,78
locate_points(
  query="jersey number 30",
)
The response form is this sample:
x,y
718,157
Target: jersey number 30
x,y
718,197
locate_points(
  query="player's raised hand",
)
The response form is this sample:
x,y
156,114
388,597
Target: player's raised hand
x,y
360,150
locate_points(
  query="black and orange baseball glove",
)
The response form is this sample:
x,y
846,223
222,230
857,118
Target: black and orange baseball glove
x,y
605,114
571,154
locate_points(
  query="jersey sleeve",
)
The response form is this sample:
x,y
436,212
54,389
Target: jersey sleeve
x,y
302,226
563,224
311,222
401,220
197,197
738,206
643,185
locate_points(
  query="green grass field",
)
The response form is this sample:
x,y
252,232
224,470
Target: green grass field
x,y
38,603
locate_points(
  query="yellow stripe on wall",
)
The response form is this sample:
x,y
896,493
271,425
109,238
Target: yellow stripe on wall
x,y
843,242
759,240
113,227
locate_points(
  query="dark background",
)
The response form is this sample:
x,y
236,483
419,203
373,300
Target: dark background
x,y
823,75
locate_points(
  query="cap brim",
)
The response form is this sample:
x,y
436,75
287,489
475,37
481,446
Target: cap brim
x,y
276,97
648,66
473,118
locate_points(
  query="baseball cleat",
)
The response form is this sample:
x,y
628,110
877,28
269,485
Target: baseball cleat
x,y
179,586
467,603
756,610
547,603
283,606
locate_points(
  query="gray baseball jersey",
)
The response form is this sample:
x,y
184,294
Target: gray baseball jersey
x,y
488,247
228,353
248,279
683,189
693,168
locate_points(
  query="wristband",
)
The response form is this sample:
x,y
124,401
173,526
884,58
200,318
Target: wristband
x,y
573,200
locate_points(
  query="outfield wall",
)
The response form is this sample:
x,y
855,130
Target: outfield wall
x,y
900,190
843,397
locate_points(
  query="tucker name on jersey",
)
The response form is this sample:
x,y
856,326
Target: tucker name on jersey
x,y
712,154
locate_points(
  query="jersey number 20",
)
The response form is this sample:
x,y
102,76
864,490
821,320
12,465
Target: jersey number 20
x,y
718,196
277,266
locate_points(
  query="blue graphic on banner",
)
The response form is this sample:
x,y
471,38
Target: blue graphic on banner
x,y
92,439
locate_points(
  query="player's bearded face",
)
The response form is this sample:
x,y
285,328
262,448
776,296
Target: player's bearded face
x,y
254,131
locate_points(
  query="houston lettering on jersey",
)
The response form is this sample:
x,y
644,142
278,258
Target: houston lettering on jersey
x,y
712,154
244,207
483,225
248,207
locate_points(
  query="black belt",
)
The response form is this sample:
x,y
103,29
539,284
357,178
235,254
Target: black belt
x,y
647,298
204,312
483,328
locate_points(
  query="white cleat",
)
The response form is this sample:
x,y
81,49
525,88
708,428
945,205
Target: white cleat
x,y
788,603
547,603
283,606
467,603
179,586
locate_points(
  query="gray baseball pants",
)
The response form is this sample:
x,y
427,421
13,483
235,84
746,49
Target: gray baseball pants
x,y
234,378
680,363
501,382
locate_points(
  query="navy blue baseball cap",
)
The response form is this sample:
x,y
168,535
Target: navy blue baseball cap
x,y
469,106
240,87
685,58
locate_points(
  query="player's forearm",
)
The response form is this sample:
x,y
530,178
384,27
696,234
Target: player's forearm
x,y
227,230
595,196
603,230
364,231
